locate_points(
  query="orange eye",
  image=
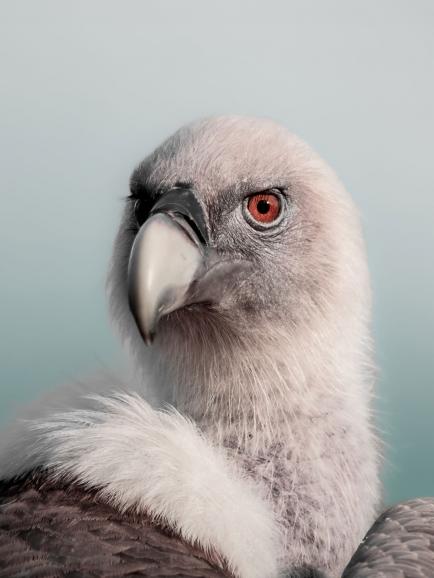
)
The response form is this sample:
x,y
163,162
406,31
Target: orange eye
x,y
264,207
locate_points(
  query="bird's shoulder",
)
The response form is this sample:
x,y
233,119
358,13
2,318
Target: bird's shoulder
x,y
57,529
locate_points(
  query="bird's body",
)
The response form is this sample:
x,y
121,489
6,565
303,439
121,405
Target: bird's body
x,y
240,258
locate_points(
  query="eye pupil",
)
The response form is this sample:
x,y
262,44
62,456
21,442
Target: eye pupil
x,y
263,207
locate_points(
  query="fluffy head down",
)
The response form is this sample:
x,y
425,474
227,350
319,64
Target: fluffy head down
x,y
311,261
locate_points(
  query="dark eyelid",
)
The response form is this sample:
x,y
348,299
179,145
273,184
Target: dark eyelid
x,y
269,190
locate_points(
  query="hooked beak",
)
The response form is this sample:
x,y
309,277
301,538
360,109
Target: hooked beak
x,y
167,256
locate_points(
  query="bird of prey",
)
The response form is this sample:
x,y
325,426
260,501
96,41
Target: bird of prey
x,y
241,443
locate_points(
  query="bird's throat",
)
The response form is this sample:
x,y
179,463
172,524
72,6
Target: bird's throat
x,y
245,392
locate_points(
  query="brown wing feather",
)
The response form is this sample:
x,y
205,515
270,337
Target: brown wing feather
x,y
399,545
53,531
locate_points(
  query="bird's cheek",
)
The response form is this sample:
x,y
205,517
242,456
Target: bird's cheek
x,y
221,282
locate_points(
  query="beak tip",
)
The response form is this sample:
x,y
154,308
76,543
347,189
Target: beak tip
x,y
147,332
147,329
149,338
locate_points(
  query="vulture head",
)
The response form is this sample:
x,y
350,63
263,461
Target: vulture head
x,y
239,253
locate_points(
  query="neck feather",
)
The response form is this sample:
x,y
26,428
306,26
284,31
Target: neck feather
x,y
254,384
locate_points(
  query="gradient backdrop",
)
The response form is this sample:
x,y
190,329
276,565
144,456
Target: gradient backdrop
x,y
87,88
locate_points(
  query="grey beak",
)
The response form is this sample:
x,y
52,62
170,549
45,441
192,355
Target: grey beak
x,y
166,257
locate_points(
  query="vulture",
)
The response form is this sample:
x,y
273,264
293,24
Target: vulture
x,y
240,442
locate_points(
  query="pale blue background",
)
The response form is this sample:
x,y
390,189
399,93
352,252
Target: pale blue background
x,y
89,87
